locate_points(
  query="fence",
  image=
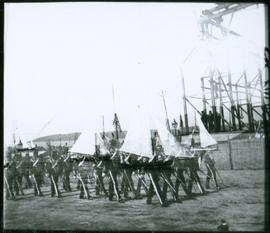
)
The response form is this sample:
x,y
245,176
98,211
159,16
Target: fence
x,y
240,154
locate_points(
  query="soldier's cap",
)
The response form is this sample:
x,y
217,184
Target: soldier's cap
x,y
223,220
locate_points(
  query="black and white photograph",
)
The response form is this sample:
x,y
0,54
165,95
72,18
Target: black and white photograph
x,y
128,116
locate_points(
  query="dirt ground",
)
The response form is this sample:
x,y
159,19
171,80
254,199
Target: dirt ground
x,y
241,203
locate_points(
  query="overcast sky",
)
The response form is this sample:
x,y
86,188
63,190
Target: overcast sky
x,y
62,59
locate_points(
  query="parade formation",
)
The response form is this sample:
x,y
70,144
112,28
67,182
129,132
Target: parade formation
x,y
145,163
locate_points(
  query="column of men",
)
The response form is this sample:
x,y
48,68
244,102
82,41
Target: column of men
x,y
32,170
59,164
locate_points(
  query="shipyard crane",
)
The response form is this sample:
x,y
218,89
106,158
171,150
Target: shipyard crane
x,y
213,17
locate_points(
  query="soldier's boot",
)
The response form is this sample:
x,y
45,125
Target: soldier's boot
x,y
139,186
35,191
18,181
64,184
126,190
164,192
78,185
207,183
97,190
39,191
81,196
88,194
102,187
16,188
28,181
59,193
110,190
68,184
150,194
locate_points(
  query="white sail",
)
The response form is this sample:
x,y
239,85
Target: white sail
x,y
85,144
168,141
205,138
138,137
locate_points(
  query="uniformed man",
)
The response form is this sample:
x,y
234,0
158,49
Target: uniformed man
x,y
211,121
127,183
181,180
37,174
193,174
67,169
211,170
9,176
83,169
111,172
154,186
18,173
26,166
53,172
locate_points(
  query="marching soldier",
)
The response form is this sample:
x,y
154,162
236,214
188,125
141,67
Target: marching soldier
x,y
82,175
194,177
180,180
52,169
211,170
67,169
100,187
37,174
111,171
127,183
9,176
18,171
26,166
154,185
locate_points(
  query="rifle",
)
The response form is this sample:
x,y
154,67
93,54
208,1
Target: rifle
x,y
8,188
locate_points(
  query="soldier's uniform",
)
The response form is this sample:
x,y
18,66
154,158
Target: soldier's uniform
x,y
52,169
154,180
211,171
37,175
18,171
194,177
99,182
167,178
180,180
67,169
83,170
9,176
111,172
26,166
